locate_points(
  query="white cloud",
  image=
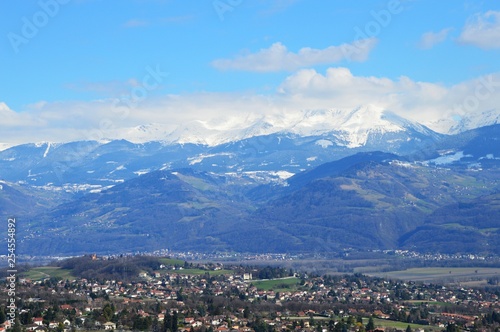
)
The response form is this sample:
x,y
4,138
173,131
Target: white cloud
x,y
424,102
340,88
278,58
430,39
429,103
482,30
12,119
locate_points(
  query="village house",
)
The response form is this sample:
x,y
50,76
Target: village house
x,y
109,326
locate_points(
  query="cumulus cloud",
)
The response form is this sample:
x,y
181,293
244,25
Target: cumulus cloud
x,y
428,103
430,39
482,30
278,58
338,87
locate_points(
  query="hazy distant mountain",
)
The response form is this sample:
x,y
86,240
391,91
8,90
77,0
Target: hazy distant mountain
x,y
473,149
364,179
367,201
21,201
471,227
175,209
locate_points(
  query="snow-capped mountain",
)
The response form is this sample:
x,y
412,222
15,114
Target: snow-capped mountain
x,y
475,120
352,128
245,147
253,147
355,127
226,172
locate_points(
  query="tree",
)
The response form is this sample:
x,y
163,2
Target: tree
x,y
108,312
170,322
246,313
142,323
3,317
60,327
371,325
26,318
175,320
180,297
311,320
17,326
167,323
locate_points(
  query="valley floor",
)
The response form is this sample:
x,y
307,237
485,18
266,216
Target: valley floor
x,y
171,294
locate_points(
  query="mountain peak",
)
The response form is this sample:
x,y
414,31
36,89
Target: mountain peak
x,y
477,120
354,127
351,127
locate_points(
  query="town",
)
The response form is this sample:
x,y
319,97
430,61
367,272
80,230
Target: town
x,y
173,295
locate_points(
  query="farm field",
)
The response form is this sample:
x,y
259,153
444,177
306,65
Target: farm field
x,y
449,274
287,284
43,272
436,303
171,261
400,325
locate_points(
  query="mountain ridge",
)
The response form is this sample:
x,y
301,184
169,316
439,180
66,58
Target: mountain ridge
x,y
370,201
350,125
276,193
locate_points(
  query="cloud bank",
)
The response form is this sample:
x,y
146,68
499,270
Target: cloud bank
x,y
431,104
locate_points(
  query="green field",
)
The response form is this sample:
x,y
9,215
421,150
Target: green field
x,y
436,303
401,325
171,261
43,272
441,273
192,271
288,284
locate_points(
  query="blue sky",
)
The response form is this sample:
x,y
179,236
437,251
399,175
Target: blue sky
x,y
68,63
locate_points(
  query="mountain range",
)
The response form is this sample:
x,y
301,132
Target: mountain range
x,y
325,181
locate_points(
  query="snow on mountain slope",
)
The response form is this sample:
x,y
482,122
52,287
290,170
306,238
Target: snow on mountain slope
x,y
146,133
5,146
476,120
351,127
354,126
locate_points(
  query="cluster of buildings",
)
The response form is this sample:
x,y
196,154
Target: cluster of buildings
x,y
207,301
